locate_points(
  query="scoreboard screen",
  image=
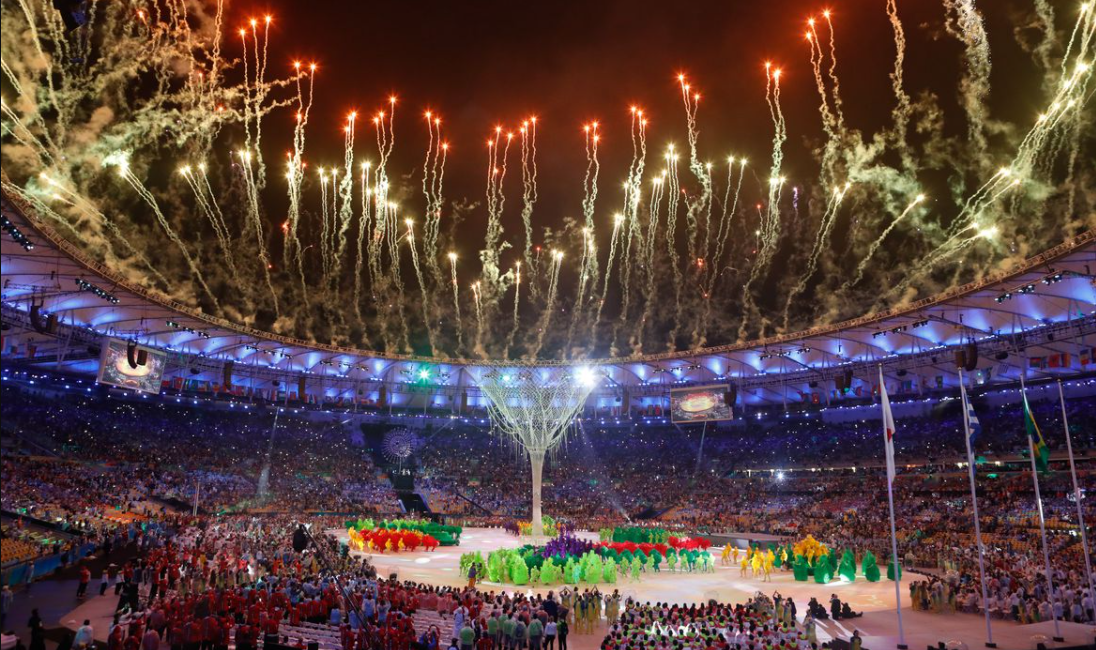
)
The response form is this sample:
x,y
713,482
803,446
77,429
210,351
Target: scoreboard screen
x,y
703,404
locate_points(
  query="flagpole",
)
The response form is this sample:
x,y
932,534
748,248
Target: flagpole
x,y
1042,523
700,452
895,565
974,500
1077,495
197,492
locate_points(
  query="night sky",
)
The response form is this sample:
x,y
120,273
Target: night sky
x,y
482,64
789,262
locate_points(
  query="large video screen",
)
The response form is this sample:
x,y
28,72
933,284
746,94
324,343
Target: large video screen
x,y
704,404
116,370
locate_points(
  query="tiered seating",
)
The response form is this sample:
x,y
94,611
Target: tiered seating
x,y
327,636
424,618
123,517
17,550
446,501
28,542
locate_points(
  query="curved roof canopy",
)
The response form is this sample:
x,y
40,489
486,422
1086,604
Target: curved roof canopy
x,y
1040,316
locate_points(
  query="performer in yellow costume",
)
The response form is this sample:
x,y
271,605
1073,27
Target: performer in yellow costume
x,y
725,559
612,607
587,613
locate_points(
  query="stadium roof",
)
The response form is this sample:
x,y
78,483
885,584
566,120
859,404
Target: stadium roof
x,y
1040,315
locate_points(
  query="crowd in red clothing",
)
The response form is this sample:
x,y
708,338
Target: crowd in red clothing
x,y
210,582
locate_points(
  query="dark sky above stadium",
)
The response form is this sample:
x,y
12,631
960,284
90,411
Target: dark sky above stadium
x,y
907,155
482,64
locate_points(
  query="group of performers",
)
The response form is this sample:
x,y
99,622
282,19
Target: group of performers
x,y
688,561
755,563
380,540
584,610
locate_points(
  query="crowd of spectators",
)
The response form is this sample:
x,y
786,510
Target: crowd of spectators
x,y
201,581
226,459
687,475
115,461
760,623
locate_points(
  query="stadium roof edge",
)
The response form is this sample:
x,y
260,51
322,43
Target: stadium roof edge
x,y
14,205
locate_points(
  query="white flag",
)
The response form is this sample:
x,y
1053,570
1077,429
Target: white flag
x,y
888,427
974,427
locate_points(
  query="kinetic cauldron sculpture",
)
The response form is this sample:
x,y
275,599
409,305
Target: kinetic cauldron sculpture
x,y
535,408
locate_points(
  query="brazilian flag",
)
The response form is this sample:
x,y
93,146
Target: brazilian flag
x,y
1038,445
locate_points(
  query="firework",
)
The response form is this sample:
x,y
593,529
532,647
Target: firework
x,y
194,91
